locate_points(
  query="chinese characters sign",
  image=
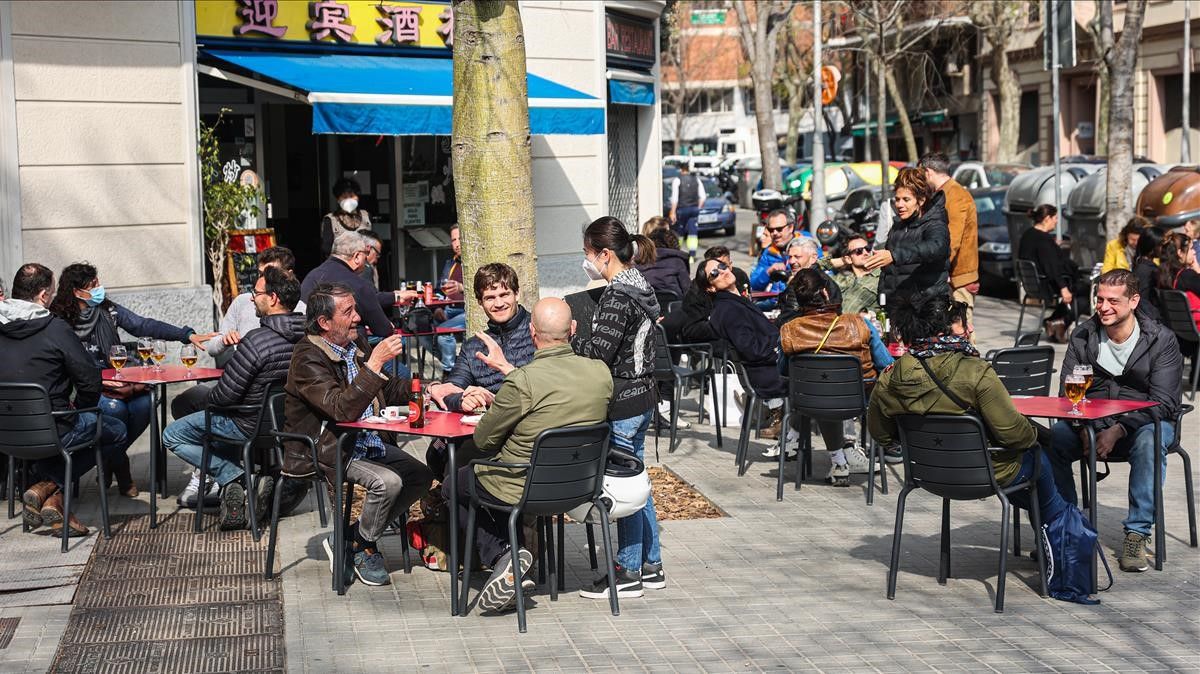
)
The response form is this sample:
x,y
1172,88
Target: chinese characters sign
x,y
380,23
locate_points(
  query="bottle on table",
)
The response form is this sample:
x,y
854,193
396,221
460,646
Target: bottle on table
x,y
416,405
429,293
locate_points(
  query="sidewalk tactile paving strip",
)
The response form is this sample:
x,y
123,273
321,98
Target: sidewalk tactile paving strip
x,y
8,627
170,600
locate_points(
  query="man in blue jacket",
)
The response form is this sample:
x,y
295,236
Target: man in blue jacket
x,y
774,257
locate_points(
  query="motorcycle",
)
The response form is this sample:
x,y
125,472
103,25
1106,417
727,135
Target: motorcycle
x,y
765,202
833,233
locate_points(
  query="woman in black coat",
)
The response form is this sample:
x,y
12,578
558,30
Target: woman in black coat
x,y
1054,264
1146,269
669,273
916,257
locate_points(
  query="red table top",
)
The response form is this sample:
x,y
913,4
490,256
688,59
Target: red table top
x,y
1059,408
169,374
436,331
763,294
438,424
438,303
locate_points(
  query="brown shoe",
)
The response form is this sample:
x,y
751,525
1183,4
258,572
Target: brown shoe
x,y
129,492
52,509
771,432
75,528
36,495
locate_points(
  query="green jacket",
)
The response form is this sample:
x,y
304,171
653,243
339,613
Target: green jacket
x,y
557,388
905,388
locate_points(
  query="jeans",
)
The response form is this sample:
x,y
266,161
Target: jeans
x,y
134,415
393,483
1050,499
395,367
879,353
447,345
184,437
637,535
112,445
1066,449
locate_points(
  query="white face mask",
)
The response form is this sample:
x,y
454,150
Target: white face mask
x,y
590,269
349,205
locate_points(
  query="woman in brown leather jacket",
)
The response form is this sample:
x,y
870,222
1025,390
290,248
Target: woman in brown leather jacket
x,y
819,326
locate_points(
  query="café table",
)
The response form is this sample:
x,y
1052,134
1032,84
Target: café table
x,y
763,295
1093,410
438,303
157,380
438,424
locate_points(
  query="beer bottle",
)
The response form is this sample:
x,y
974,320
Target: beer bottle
x,y
416,405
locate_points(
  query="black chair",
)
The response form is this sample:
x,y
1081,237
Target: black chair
x,y
825,387
29,432
1024,370
665,299
565,470
1160,533
751,416
1177,315
701,368
258,449
947,455
275,407
1034,286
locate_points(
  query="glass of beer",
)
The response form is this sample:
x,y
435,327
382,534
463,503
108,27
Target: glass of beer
x,y
1075,385
158,353
187,355
117,356
145,347
1084,371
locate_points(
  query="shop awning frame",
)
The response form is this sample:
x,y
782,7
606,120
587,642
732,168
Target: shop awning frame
x,y
630,87
391,95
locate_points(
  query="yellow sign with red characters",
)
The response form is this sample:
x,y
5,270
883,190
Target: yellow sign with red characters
x,y
374,23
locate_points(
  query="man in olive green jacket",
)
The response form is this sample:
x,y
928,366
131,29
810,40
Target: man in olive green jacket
x,y
556,389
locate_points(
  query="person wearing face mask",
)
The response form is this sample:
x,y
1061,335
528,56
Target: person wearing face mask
x,y
622,337
82,302
916,256
37,347
344,266
346,216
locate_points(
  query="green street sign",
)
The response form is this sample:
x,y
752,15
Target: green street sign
x,y
708,17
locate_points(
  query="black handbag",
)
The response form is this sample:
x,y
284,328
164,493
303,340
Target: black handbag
x,y
418,321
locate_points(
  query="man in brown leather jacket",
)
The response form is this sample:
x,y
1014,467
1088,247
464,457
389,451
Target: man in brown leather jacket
x,y
336,378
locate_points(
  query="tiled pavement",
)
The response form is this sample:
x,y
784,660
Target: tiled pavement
x,y
790,586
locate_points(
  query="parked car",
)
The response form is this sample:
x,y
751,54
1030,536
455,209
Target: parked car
x,y
839,180
975,175
699,164
716,214
995,247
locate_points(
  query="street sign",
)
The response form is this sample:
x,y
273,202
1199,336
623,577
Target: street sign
x,y
1066,33
708,17
830,76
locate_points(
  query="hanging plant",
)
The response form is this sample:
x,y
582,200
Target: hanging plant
x,y
227,203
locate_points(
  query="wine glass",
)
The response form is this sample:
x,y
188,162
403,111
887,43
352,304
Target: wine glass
x,y
187,355
1074,385
145,347
117,356
158,353
1084,371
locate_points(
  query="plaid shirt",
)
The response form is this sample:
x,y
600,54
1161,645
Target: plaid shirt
x,y
859,293
369,444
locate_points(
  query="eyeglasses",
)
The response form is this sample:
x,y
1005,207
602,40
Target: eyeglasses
x,y
774,230
721,267
860,250
255,292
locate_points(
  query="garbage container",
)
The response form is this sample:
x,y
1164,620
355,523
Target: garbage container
x,y
1085,212
1173,198
1036,187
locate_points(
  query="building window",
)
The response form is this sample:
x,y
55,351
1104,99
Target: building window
x,y
1029,122
1172,102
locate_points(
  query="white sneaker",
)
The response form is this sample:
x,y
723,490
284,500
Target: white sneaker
x,y
856,459
188,495
772,452
839,475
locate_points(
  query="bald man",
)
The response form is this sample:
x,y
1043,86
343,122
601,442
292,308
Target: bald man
x,y
557,388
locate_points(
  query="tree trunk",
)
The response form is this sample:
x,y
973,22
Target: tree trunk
x,y
1009,104
881,133
493,185
910,140
1118,201
1101,30
795,112
764,115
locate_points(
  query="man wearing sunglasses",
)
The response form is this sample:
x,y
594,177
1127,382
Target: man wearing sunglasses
x,y
859,286
774,257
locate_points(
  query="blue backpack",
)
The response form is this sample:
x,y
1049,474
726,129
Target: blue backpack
x,y
1070,542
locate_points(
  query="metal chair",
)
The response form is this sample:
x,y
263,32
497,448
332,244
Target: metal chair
x,y
947,455
1034,285
1160,531
701,367
1024,370
29,432
825,387
275,407
261,445
565,470
1177,315
751,416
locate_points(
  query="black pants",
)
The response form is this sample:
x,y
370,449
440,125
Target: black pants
x,y
491,527
190,400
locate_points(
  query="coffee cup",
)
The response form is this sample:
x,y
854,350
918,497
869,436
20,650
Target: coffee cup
x,y
395,413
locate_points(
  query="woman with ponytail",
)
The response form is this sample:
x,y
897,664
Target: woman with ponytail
x,y
622,336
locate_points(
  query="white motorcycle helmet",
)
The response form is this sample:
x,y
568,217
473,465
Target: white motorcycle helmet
x,y
626,489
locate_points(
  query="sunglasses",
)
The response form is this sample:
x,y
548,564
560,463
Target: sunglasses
x,y
721,266
860,250
774,230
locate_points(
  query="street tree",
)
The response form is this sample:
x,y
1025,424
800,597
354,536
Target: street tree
x,y
1119,198
491,145
997,21
760,46
1100,29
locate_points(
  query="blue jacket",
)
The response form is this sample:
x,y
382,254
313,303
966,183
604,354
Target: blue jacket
x,y
514,339
760,278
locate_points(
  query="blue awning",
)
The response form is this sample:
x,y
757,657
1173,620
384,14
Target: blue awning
x,y
630,93
402,96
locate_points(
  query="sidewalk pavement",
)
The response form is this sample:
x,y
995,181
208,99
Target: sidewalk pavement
x,y
795,586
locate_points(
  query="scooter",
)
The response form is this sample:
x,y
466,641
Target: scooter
x,y
859,222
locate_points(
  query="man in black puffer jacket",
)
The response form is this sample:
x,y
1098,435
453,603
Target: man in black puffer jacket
x,y
260,362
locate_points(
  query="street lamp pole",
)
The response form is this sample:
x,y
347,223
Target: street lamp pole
x,y
816,214
1185,149
1055,65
